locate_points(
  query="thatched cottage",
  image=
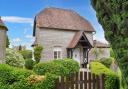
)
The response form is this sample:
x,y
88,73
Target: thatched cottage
x,y
3,30
63,33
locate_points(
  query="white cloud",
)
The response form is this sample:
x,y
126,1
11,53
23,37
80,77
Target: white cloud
x,y
29,36
15,40
16,19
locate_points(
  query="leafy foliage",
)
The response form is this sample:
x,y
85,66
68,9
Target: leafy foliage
x,y
17,78
58,67
9,74
13,58
113,16
112,54
29,63
37,53
27,54
106,61
111,79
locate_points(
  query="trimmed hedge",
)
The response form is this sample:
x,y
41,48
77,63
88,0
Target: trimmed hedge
x,y
47,83
59,67
10,75
16,78
111,80
106,61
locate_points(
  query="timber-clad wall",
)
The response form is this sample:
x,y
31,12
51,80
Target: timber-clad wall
x,y
2,44
49,38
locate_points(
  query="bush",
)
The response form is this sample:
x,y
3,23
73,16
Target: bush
x,y
47,83
13,58
10,75
71,65
106,61
58,67
111,79
37,53
49,67
29,63
27,54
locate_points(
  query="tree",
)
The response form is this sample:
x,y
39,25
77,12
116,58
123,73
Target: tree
x,y
113,16
27,54
7,42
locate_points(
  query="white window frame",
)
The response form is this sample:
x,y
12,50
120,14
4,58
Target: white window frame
x,y
57,49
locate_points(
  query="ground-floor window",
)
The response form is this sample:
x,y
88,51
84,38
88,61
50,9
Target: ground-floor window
x,y
57,52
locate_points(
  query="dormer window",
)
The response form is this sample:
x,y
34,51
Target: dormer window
x,y
57,53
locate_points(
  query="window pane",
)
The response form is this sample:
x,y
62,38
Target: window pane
x,y
55,54
59,54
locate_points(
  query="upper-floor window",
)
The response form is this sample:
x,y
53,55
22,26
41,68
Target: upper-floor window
x,y
57,52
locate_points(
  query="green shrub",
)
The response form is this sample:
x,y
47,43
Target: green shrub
x,y
49,67
37,53
111,79
106,61
10,75
4,86
13,58
112,82
71,65
48,83
29,63
58,67
23,84
27,54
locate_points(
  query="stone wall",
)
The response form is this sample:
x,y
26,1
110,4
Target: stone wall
x,y
2,45
49,38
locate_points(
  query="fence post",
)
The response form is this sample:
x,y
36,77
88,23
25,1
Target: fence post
x,y
103,81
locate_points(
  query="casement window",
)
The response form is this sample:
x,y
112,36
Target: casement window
x,y
57,52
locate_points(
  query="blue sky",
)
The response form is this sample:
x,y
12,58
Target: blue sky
x,y
18,15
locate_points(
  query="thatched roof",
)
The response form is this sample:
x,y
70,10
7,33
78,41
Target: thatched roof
x,y
2,24
99,44
61,19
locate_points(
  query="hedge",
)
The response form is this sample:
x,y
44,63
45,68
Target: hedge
x,y
111,79
106,61
10,75
16,78
58,67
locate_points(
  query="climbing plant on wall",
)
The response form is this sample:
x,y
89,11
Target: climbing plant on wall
x,y
113,16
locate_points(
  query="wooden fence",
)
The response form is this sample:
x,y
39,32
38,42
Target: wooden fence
x,y
81,80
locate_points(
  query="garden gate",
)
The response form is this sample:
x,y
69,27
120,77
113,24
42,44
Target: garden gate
x,y
81,80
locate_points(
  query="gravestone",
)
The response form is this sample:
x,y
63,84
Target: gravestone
x,y
3,30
